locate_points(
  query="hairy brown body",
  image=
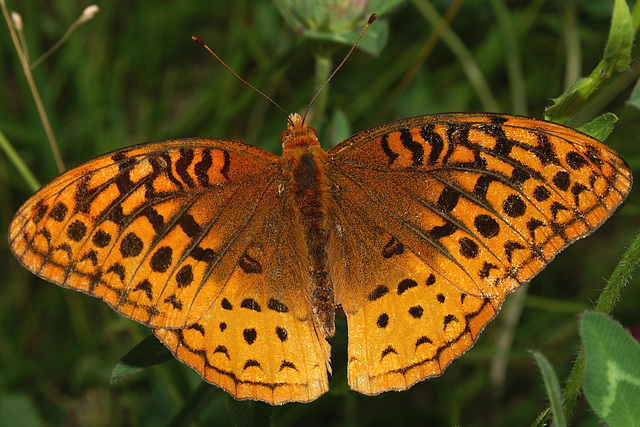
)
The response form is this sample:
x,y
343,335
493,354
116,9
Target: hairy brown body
x,y
304,165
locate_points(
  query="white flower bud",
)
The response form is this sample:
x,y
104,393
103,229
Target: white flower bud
x,y
17,20
88,13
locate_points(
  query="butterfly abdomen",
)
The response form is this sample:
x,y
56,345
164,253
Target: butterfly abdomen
x,y
305,172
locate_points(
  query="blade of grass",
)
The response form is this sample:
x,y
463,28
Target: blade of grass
x,y
18,163
552,385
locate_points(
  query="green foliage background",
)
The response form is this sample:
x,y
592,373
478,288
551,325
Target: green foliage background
x,y
132,74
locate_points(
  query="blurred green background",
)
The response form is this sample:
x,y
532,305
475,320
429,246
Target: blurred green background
x,y
132,74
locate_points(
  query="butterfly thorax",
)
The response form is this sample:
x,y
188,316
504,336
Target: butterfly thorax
x,y
305,177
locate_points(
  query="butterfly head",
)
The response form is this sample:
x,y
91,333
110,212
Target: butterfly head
x,y
298,134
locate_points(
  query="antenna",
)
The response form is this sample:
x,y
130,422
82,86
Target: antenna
x,y
371,19
203,44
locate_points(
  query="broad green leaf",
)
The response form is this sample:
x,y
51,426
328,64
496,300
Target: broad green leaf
x,y
612,372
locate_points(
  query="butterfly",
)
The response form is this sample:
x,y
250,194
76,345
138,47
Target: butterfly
x,y
237,258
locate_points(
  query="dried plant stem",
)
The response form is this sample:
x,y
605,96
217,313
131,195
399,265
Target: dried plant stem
x,y
60,42
21,49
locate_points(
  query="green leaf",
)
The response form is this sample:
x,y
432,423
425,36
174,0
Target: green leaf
x,y
634,99
146,353
373,41
621,275
636,17
249,413
617,57
612,373
552,385
601,127
617,53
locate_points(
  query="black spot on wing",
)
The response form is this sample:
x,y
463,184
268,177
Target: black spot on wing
x,y
282,333
161,259
510,247
251,304
434,140
182,165
58,212
393,247
287,364
118,270
387,351
249,265
448,199
131,245
184,276
175,303
145,286
383,320
201,168
250,335
405,285
486,226
378,293
189,225
251,362
440,231
417,151
222,349
277,306
423,340
384,143
76,231
101,238
225,167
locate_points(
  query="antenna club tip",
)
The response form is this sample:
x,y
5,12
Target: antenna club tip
x,y
372,18
197,40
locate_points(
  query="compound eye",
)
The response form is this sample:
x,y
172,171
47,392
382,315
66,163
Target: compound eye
x,y
285,137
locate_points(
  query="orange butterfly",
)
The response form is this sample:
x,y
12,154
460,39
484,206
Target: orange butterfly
x,y
237,258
